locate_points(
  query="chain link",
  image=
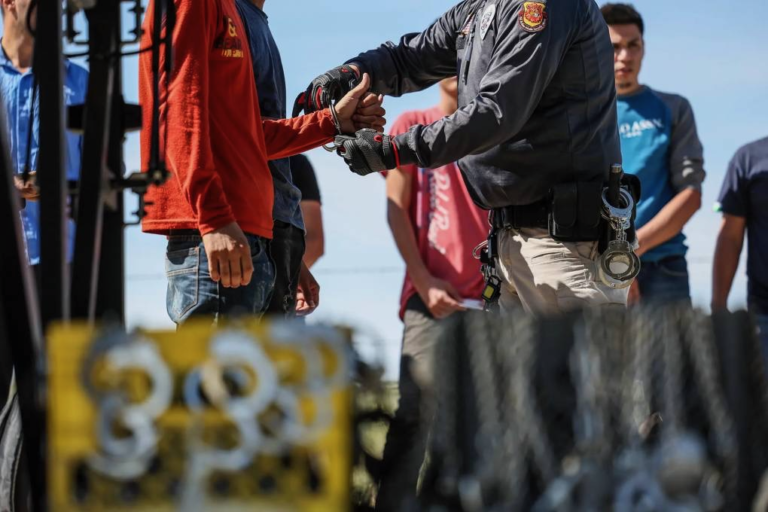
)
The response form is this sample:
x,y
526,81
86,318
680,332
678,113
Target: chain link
x,y
531,423
698,336
636,374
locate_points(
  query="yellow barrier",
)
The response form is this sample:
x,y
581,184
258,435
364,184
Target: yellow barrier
x,y
250,417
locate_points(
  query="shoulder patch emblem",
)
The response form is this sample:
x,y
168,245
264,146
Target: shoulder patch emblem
x,y
485,23
533,16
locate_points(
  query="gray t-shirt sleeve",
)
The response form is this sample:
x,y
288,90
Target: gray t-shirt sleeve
x,y
419,60
686,153
521,66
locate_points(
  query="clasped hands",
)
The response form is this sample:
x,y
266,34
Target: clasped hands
x,y
362,145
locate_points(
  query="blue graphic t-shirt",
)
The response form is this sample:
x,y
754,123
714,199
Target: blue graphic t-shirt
x,y
660,146
745,194
270,86
16,91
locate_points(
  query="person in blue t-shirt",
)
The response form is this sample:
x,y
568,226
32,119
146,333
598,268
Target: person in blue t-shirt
x,y
16,83
743,201
660,145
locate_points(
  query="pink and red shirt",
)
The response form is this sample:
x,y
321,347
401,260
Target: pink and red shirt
x,y
446,222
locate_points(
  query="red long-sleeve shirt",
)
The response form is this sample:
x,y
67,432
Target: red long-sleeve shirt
x,y
215,142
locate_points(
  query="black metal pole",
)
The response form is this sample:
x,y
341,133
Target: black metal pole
x,y
21,338
104,37
111,287
49,69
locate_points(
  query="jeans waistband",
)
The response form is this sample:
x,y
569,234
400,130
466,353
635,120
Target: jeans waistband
x,y
184,235
193,235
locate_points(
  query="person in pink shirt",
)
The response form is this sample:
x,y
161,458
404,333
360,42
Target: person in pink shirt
x,y
436,226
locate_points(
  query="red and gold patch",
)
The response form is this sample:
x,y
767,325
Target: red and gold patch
x,y
533,16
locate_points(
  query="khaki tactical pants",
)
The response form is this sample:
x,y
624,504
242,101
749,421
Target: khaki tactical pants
x,y
544,276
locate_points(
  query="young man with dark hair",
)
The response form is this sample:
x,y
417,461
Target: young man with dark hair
x,y
660,145
744,203
216,209
623,14
436,226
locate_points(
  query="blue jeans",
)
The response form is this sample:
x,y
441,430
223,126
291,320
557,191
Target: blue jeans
x,y
192,292
287,250
665,281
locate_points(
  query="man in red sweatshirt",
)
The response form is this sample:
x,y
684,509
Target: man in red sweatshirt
x,y
216,209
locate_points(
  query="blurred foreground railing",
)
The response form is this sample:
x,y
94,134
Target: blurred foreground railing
x,y
643,410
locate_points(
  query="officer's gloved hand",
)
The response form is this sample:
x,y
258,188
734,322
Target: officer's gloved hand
x,y
328,87
368,151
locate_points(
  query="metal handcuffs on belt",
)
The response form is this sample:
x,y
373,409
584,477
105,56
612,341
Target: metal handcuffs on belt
x,y
619,265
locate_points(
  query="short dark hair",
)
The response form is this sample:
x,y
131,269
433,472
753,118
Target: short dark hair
x,y
622,14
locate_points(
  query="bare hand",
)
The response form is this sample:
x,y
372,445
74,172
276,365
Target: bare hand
x,y
307,293
229,256
347,108
370,113
441,298
633,298
29,189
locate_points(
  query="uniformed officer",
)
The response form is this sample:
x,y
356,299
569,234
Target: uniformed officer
x,y
535,134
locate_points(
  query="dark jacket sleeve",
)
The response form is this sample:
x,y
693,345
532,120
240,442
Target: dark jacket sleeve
x,y
420,59
522,65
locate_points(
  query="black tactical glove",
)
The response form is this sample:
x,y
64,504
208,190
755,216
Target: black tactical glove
x,y
328,87
368,151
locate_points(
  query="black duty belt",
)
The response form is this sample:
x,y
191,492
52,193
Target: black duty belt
x,y
535,215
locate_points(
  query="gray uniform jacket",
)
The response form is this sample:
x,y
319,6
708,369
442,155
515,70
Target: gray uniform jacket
x,y
537,100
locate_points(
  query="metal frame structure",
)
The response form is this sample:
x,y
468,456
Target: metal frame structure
x,y
101,166
49,68
97,291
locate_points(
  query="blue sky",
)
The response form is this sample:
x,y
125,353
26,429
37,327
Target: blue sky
x,y
712,52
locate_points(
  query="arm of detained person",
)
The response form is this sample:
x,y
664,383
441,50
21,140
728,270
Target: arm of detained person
x,y
440,297
520,67
687,176
734,204
288,137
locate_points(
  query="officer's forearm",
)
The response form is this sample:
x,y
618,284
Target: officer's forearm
x,y
669,221
416,62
